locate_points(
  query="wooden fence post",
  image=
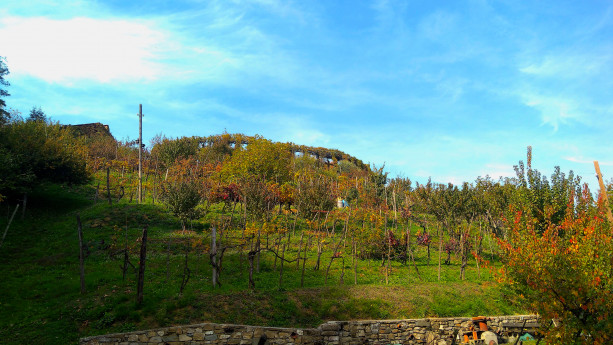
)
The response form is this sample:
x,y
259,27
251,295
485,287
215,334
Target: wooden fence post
x,y
213,255
9,224
141,267
81,257
108,185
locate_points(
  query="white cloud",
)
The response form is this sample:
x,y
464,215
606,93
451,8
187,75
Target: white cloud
x,y
584,160
554,111
577,66
81,48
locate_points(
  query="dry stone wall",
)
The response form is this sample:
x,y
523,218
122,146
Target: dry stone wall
x,y
437,331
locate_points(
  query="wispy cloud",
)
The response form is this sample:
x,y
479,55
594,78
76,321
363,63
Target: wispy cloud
x,y
571,65
554,111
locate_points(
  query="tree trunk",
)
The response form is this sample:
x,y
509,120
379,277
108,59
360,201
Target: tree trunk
x,y
251,258
186,271
281,267
304,263
299,248
319,252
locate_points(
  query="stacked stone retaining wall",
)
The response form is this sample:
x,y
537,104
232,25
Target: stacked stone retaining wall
x,y
437,331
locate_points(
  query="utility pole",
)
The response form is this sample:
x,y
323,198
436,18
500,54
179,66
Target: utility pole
x,y
603,191
140,153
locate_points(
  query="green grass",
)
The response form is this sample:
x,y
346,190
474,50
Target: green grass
x,y
41,303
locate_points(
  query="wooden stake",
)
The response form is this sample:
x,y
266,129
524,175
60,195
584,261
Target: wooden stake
x,y
9,224
141,267
140,153
81,258
108,185
213,255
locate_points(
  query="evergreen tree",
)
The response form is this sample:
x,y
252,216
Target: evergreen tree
x,y
37,114
4,115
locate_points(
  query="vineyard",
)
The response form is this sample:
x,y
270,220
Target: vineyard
x,y
245,230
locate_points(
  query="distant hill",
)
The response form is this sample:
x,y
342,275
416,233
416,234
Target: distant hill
x,y
333,155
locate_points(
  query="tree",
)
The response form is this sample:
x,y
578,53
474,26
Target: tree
x,y
562,269
4,114
33,152
538,192
262,159
182,197
37,114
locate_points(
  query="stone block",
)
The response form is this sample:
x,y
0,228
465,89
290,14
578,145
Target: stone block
x,y
422,323
331,326
184,337
170,337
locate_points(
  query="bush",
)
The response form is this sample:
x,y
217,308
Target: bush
x,y
35,151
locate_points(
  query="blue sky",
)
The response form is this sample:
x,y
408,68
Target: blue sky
x,y
448,90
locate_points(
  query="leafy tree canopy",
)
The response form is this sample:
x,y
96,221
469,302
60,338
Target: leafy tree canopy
x,y
37,114
563,270
260,159
33,151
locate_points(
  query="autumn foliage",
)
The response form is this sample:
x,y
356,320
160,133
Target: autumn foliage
x,y
565,271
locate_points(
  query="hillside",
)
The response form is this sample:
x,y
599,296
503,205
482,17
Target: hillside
x,y
42,303
255,234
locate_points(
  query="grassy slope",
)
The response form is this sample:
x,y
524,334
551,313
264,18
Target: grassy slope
x,y
41,303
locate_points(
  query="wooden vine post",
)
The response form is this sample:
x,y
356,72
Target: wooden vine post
x,y
8,225
81,256
603,191
108,185
213,255
141,267
140,153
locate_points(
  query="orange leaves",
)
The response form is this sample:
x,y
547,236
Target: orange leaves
x,y
558,269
